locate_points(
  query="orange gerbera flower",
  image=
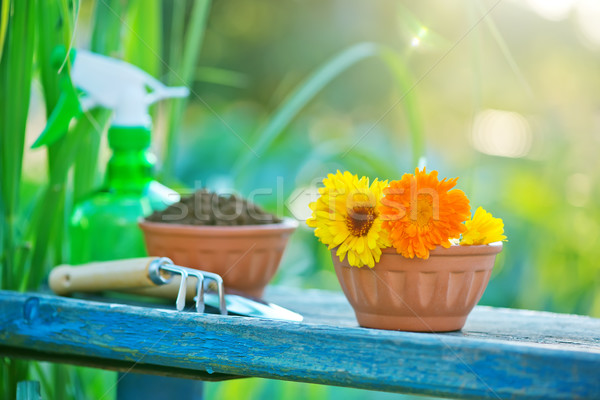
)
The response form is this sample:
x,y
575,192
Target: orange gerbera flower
x,y
420,212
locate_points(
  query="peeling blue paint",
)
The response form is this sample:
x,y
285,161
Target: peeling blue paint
x,y
500,353
31,308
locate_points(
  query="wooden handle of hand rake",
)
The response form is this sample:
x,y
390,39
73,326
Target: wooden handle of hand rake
x,y
99,276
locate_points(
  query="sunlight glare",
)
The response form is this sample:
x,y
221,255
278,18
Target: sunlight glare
x,y
588,15
502,133
553,10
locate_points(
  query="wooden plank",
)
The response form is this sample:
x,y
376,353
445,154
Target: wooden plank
x,y
113,365
499,354
485,323
28,390
151,387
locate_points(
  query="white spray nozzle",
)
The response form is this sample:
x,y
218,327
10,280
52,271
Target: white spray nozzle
x,y
120,86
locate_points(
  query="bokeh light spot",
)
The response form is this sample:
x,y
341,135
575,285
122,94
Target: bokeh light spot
x,y
501,133
588,15
553,10
578,189
297,203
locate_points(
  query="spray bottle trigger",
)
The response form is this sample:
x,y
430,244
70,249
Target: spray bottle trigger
x,y
165,92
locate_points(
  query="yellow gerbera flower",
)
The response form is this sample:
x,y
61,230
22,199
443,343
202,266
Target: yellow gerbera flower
x,y
483,228
346,216
421,212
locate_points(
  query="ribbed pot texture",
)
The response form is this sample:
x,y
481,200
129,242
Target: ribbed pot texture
x,y
433,295
246,257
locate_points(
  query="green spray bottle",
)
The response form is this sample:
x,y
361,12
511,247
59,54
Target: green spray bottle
x,y
104,225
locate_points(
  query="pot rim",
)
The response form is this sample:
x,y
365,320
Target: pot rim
x,y
457,250
286,225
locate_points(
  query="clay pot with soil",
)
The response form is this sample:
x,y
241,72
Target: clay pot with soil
x,y
226,235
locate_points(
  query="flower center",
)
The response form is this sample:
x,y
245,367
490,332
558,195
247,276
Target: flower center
x,y
360,219
424,210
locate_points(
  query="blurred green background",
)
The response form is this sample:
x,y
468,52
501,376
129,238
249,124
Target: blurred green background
x,y
505,95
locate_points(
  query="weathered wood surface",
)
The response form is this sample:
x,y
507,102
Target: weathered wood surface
x,y
28,390
500,353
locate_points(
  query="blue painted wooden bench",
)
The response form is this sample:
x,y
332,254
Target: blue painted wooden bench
x,y
501,353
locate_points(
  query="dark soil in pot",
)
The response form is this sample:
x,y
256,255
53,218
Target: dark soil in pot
x,y
211,209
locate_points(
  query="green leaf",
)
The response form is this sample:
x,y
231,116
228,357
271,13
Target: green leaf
x,y
221,76
51,206
300,96
16,69
86,174
4,13
57,21
406,87
106,35
176,40
52,29
185,74
143,39
318,80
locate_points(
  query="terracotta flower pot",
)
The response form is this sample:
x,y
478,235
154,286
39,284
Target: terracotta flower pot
x,y
246,257
433,295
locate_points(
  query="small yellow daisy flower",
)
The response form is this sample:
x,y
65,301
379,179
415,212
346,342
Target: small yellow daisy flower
x,y
346,216
483,228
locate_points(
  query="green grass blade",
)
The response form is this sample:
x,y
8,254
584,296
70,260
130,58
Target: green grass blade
x,y
14,371
52,201
70,11
300,96
86,175
106,35
191,49
143,39
42,375
193,39
512,63
16,70
143,42
176,40
220,76
5,240
404,81
61,381
307,90
50,25
55,27
4,12
57,21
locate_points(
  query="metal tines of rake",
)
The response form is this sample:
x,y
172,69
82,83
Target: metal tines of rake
x,y
162,270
